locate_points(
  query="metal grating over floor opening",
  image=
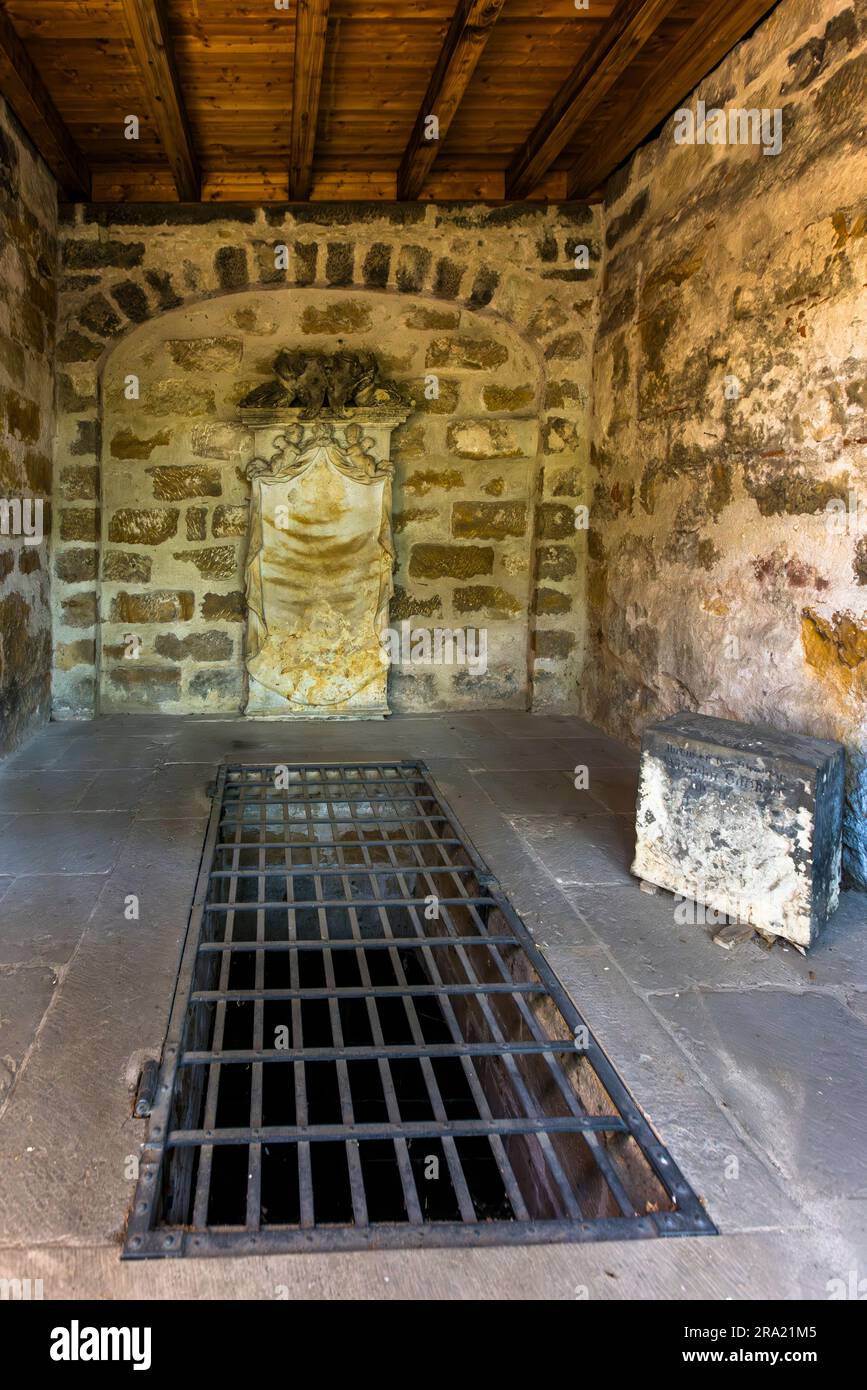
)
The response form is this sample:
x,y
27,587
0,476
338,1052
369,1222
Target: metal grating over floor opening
x,y
366,1049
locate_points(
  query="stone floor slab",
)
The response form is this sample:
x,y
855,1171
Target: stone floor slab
x,y
581,851
32,789
65,843
790,1070
25,994
120,790
43,916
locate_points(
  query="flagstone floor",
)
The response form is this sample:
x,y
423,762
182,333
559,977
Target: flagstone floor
x,y
750,1064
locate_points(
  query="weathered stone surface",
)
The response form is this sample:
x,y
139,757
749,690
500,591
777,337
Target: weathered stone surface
x,y
429,561
744,820
552,601
230,263
98,316
559,434
483,439
96,255
554,522
79,484
68,655
79,610
343,316
488,520
477,354
199,646
433,479
87,440
412,516
197,523
126,445
158,606
228,607
488,598
21,415
508,397
404,605
223,685
79,524
29,561
132,299
124,567
215,561
77,347
139,526
231,521
177,396
173,484
423,317
76,566
339,263
146,683
551,644
205,354
448,277
413,264
445,402
377,263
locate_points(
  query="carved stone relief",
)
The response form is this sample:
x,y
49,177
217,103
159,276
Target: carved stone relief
x,y
320,554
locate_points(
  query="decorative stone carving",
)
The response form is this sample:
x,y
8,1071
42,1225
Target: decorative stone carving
x,y
320,555
312,379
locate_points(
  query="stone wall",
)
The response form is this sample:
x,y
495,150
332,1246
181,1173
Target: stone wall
x,y
729,404
28,255
150,524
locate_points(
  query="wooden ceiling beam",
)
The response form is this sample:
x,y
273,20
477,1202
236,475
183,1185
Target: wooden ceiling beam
x,y
148,27
469,31
626,32
696,53
311,26
28,97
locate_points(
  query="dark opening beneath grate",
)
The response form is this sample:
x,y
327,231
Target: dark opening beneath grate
x,y
367,1049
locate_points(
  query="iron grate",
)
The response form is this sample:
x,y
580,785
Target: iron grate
x,y
366,1049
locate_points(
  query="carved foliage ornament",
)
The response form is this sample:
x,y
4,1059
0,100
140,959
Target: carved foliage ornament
x,y
317,381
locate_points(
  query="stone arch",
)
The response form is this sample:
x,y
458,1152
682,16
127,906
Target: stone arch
x,y
173,497
494,263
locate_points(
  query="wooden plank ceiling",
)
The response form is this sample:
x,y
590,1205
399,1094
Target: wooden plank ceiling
x,y
251,101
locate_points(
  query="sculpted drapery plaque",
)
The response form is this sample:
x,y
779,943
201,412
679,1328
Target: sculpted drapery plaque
x,y
320,553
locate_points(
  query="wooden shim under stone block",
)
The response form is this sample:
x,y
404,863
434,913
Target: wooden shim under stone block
x,y
745,820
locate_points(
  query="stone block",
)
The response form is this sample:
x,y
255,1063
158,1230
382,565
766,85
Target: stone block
x,y
450,561
158,606
186,480
745,820
77,565
132,526
125,567
231,521
482,439
214,562
489,520
79,524
476,354
230,607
